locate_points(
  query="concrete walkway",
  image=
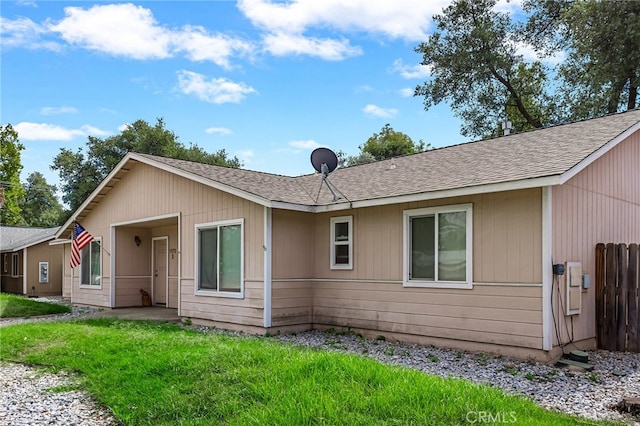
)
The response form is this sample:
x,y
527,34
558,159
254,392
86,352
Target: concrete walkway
x,y
150,313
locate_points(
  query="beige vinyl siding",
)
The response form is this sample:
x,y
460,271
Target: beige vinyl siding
x,y
43,252
505,315
292,268
146,192
503,307
601,204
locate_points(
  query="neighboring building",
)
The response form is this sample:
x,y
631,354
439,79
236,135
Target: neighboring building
x,y
451,247
30,266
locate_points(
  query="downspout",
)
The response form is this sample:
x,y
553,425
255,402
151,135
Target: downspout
x,y
267,267
547,273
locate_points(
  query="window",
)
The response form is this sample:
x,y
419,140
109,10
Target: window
x,y
342,242
43,267
91,264
6,267
219,258
15,270
438,243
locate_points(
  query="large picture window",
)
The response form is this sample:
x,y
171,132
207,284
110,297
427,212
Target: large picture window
x,y
219,258
342,242
91,264
438,246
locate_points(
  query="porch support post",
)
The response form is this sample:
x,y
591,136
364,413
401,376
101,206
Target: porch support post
x,y
547,272
267,268
112,268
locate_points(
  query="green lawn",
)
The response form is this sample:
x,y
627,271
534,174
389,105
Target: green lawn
x,y
13,306
165,374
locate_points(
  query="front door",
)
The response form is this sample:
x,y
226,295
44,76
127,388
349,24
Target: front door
x,y
160,273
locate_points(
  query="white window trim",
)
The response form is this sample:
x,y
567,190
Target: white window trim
x,y
332,264
40,265
97,240
15,266
218,293
6,266
408,214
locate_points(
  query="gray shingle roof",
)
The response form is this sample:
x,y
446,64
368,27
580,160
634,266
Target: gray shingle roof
x,y
534,154
15,237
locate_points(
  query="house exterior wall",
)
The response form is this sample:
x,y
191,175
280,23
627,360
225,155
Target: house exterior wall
x,y
11,284
147,192
43,252
292,272
601,204
34,254
504,307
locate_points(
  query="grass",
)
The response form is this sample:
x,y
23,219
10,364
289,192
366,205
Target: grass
x,y
165,374
13,306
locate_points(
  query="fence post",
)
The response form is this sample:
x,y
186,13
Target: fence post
x,y
600,290
610,295
633,342
621,294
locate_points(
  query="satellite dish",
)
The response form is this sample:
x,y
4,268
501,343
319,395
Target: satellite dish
x,y
324,160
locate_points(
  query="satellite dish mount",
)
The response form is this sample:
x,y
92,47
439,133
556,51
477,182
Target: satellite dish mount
x,y
325,161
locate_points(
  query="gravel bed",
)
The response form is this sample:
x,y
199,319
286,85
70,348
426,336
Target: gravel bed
x,y
26,397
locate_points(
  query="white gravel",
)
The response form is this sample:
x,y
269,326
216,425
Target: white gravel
x,y
29,396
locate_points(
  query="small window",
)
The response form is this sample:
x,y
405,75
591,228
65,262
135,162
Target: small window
x,y
43,267
219,258
438,243
5,262
342,242
15,268
91,264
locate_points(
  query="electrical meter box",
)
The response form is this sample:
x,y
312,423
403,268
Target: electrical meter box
x,y
573,294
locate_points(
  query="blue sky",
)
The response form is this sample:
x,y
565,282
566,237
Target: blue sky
x,y
267,81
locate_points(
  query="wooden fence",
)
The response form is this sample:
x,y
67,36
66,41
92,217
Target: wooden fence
x,y
617,289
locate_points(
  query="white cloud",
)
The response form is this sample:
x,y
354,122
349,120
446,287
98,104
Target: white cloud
x,y
216,90
377,111
299,146
406,92
52,132
23,32
410,71
530,54
508,6
202,46
398,19
246,156
282,44
58,110
117,29
218,130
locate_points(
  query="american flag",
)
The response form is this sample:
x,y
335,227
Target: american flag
x,y
81,238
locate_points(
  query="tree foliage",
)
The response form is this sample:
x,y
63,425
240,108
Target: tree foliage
x,y
601,39
10,167
81,174
40,207
476,68
387,143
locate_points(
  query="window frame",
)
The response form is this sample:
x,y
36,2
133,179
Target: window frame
x,y
5,262
43,273
83,256
407,281
333,243
15,265
211,292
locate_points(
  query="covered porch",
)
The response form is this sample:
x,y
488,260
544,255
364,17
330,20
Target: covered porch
x,y
145,259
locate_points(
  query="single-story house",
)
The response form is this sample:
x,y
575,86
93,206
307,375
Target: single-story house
x,y
30,265
453,246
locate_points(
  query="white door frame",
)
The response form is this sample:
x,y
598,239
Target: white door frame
x,y
153,269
